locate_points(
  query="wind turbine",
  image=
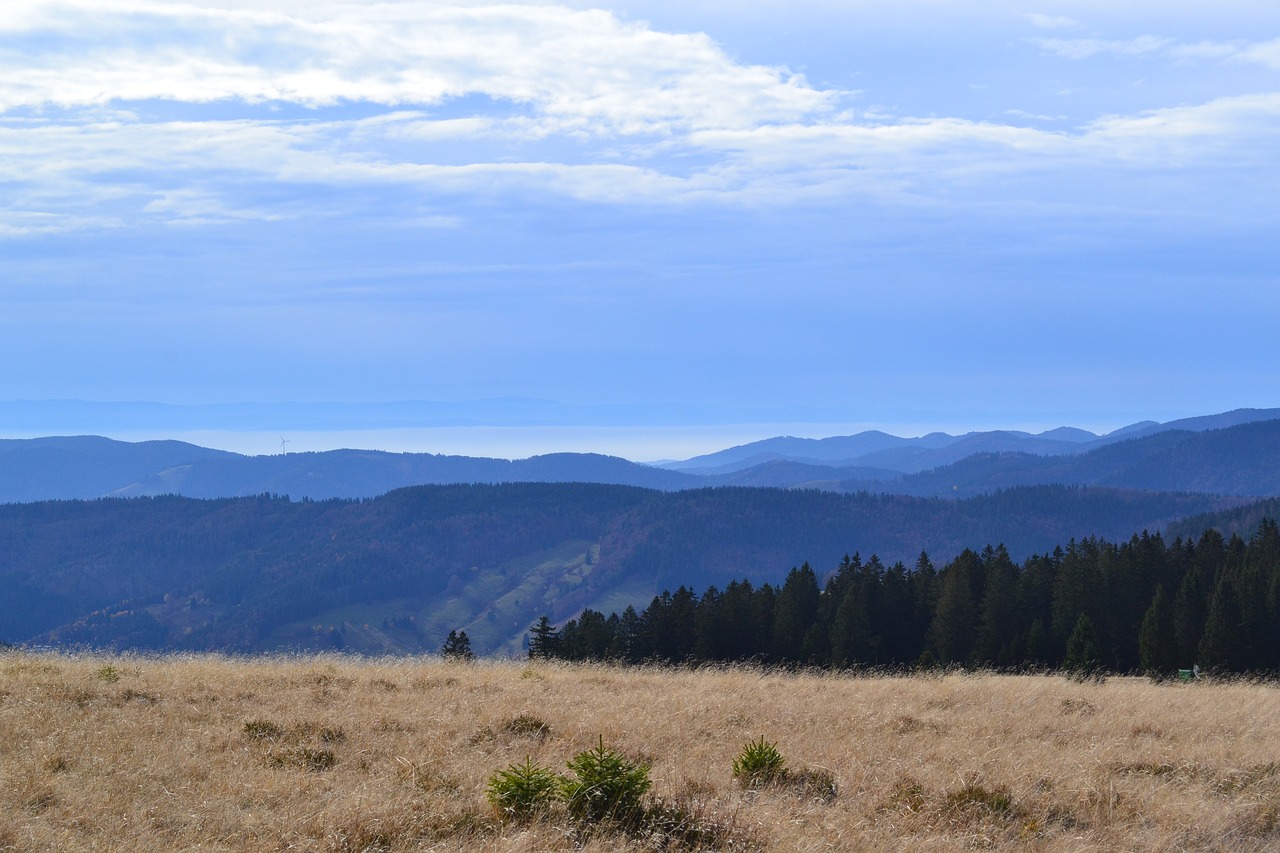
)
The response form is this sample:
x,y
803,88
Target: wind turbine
x,y
283,450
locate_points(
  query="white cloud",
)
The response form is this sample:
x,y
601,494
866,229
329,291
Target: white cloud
x,y
1263,53
190,206
471,97
586,67
1052,22
1150,46
1237,132
1086,48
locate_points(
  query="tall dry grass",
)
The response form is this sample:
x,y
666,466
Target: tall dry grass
x,y
328,753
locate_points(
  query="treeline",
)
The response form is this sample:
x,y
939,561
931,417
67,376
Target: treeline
x,y
1141,605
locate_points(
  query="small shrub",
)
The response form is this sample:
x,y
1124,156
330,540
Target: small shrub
x,y
759,764
683,824
975,795
325,734
906,796
262,730
304,757
108,674
131,695
523,791
815,783
527,725
481,735
607,787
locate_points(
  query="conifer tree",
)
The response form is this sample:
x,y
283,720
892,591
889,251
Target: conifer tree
x,y
999,621
955,622
1082,648
1157,642
851,628
794,613
1220,645
542,639
457,646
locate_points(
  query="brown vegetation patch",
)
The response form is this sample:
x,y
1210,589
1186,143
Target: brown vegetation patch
x,y
908,725
1083,707
427,776
1265,775
36,797
1181,773
527,725
907,797
304,757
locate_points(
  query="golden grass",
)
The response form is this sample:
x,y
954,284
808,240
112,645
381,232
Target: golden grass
x,y
330,753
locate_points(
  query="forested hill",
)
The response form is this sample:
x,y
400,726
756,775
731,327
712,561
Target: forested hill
x,y
397,572
1144,604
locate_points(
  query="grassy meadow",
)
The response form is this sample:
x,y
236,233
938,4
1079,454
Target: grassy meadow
x,y
342,754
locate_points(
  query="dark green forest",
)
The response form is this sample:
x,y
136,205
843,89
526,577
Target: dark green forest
x,y
1090,606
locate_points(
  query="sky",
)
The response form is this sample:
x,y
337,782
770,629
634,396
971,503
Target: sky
x,y
674,225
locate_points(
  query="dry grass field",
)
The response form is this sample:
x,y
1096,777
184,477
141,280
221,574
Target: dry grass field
x,y
329,753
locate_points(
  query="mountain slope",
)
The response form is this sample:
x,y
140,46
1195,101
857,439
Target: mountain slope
x,y
397,572
88,466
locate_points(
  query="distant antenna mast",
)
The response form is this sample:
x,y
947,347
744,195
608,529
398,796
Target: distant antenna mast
x,y
283,449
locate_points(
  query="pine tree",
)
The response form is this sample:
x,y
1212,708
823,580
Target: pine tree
x,y
1220,645
628,641
851,628
1075,590
999,611
457,646
955,622
1037,646
794,614
543,640
1190,609
1157,642
1082,655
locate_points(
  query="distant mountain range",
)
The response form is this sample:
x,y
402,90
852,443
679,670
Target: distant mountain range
x,y
878,450
1234,453
91,467
387,552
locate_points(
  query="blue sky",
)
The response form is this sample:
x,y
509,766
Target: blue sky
x,y
697,222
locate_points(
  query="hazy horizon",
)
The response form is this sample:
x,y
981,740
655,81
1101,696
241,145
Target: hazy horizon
x,y
639,442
